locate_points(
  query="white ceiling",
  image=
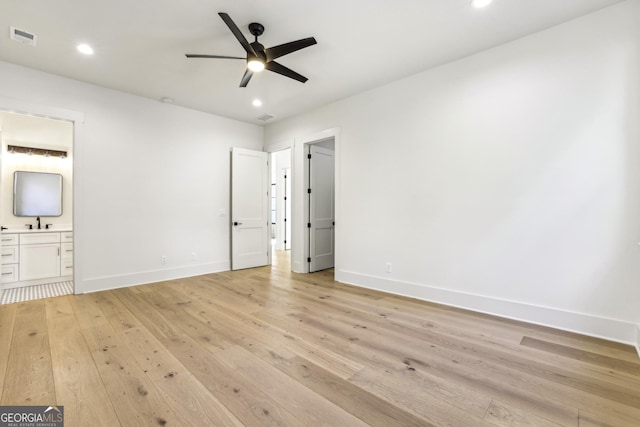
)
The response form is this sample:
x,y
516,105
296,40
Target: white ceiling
x,y
140,44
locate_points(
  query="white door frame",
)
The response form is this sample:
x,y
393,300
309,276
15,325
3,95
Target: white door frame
x,y
77,119
299,235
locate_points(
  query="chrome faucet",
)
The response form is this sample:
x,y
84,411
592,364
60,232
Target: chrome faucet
x,y
38,219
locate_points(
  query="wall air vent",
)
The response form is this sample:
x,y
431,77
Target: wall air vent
x,y
265,117
23,36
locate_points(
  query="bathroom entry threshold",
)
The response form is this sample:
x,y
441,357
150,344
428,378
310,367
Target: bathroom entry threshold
x,y
29,293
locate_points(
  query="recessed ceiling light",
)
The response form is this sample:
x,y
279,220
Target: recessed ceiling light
x,y
257,103
85,48
479,4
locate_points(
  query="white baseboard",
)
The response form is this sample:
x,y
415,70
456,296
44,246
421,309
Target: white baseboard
x,y
586,324
120,281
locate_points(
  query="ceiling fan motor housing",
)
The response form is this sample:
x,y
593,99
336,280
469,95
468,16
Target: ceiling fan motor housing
x,y
256,29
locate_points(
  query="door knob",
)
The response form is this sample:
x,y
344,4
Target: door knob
x,y
236,223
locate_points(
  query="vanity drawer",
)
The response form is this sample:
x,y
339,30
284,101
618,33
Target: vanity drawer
x,y
10,255
66,236
66,251
9,273
9,239
66,267
39,238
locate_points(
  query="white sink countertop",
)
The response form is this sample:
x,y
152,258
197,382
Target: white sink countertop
x,y
42,230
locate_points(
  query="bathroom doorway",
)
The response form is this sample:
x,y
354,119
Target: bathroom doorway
x,y
37,241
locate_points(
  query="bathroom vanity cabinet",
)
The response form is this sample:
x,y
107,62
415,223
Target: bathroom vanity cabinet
x,y
36,257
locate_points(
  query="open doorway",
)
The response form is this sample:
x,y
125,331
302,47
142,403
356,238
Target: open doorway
x,y
281,184
36,207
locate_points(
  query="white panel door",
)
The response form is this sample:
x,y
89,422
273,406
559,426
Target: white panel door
x,y
321,209
249,209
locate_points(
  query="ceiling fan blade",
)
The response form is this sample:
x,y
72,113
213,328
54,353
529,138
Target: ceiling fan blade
x,y
284,49
195,55
236,32
245,79
287,72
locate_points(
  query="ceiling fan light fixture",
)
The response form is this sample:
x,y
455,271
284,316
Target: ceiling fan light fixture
x,y
479,4
85,49
255,64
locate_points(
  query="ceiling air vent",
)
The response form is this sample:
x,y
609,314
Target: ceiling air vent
x,y
265,117
22,36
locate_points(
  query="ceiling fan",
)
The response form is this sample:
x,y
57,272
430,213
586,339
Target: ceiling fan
x,y
258,58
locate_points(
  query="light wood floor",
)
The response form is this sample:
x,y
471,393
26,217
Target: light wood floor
x,y
267,347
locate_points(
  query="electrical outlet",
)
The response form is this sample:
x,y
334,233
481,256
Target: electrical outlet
x,y
387,267
163,259
193,256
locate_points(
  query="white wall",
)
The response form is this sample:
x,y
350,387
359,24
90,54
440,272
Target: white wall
x,y
507,182
35,132
150,179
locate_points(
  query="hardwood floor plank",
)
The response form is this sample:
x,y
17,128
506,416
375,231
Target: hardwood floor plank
x,y
503,415
555,366
417,329
420,401
367,331
247,402
7,321
134,397
189,400
370,408
513,329
607,362
387,356
29,374
448,369
252,326
310,408
78,384
590,419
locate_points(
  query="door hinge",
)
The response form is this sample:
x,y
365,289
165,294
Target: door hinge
x,y
308,225
285,177
285,220
285,198
333,223
309,259
308,156
285,242
309,190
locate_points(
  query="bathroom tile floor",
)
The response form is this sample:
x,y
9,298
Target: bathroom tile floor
x,y
29,293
